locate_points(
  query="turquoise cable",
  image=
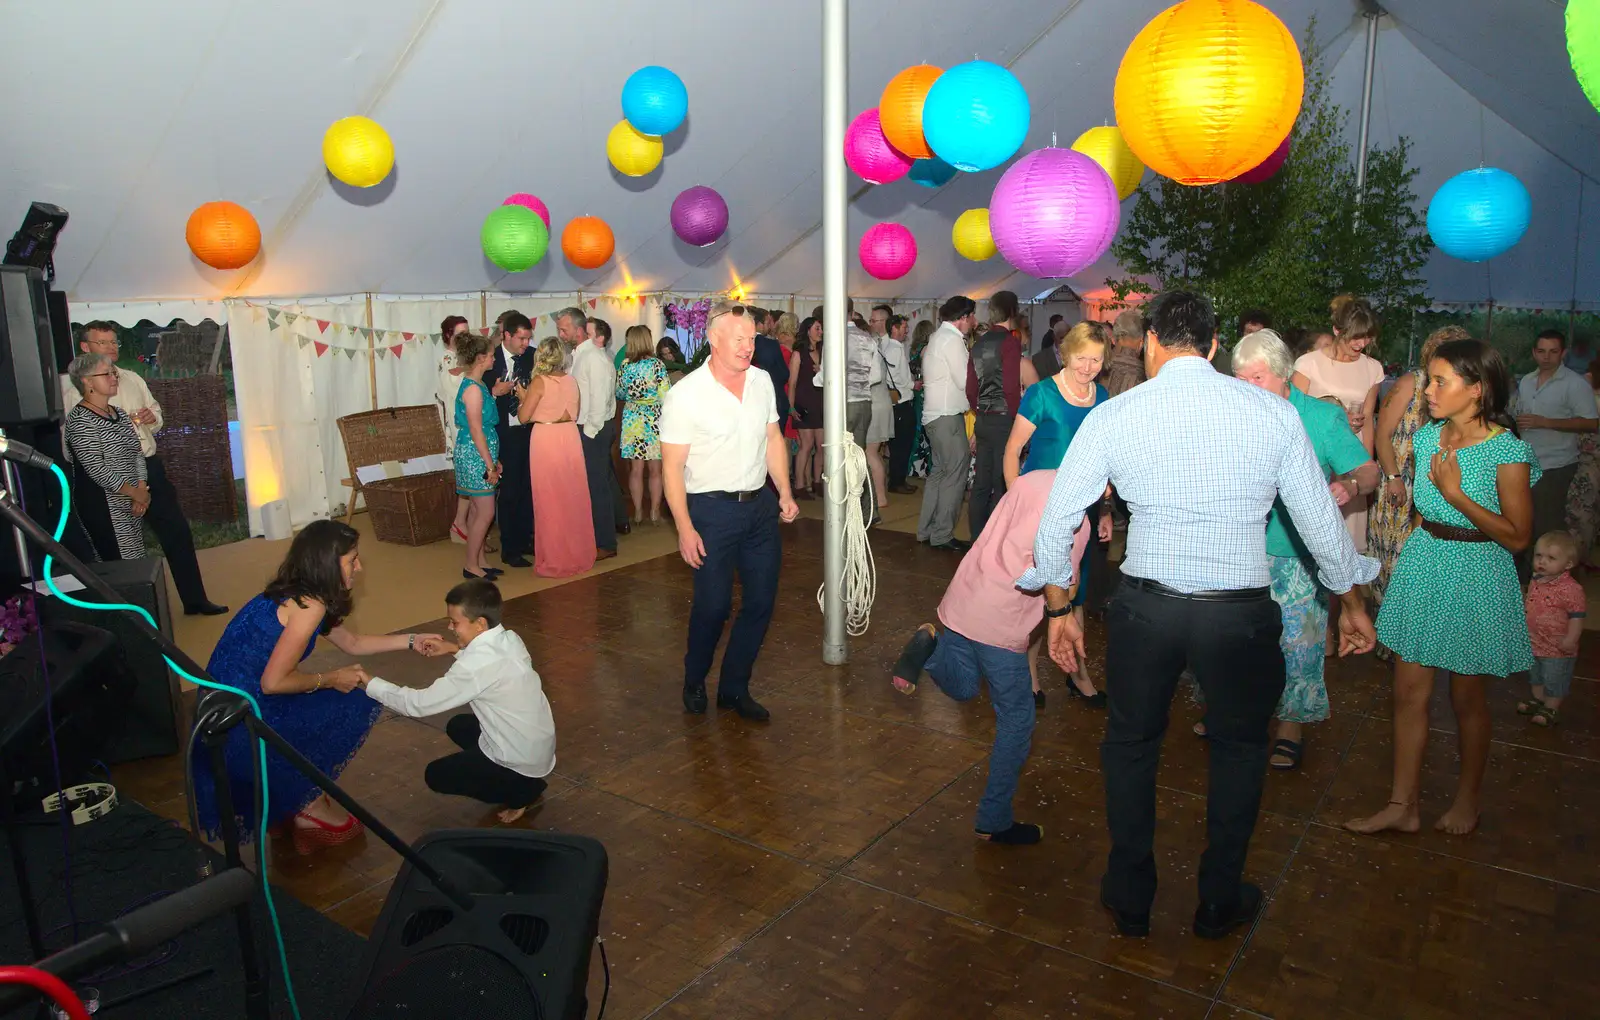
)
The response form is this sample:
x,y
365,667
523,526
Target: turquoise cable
x,y
261,745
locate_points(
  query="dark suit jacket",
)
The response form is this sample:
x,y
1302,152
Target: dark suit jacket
x,y
521,371
769,357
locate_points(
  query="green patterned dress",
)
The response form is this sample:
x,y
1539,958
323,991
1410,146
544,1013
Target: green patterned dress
x,y
642,385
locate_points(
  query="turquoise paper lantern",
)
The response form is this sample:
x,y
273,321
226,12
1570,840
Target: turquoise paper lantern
x,y
976,116
932,173
654,101
1479,214
514,237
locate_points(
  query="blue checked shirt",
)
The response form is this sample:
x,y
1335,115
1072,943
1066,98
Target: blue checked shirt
x,y
1199,457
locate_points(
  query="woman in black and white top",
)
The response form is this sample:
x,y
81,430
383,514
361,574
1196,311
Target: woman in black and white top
x,y
106,447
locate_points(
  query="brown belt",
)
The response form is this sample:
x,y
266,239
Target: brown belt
x,y
1451,533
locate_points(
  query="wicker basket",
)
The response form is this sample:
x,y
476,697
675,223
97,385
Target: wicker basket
x,y
412,509
195,447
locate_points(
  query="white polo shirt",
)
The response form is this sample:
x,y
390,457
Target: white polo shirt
x,y
726,435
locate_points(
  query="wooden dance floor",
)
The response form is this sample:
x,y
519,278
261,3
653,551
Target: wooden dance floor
x,y
824,865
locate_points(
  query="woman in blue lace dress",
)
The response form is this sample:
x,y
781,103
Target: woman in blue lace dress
x,y
260,653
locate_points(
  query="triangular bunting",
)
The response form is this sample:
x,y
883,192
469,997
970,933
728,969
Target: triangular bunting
x,y
534,321
255,313
408,336
303,341
591,302
350,352
272,324
289,317
322,325
380,352
484,331
396,349
322,348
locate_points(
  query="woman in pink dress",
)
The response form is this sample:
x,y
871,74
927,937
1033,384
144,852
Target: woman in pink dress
x,y
563,532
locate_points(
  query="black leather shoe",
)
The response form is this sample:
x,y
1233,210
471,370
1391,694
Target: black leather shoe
x,y
903,489
1129,924
746,706
625,528
954,545
694,700
1212,921
205,609
515,561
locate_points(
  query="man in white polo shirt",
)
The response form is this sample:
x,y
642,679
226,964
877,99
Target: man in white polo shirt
x,y
1554,406
720,442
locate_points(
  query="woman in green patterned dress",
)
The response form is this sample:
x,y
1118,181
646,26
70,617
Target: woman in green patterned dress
x,y
642,385
1454,602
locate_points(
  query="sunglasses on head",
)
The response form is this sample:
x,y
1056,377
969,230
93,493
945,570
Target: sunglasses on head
x,y
737,311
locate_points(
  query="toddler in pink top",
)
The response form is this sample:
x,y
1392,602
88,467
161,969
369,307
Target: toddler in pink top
x,y
1556,606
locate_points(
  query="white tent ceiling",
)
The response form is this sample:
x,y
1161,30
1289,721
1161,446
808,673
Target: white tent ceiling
x,y
129,115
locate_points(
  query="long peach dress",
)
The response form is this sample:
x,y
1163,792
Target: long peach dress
x,y
563,527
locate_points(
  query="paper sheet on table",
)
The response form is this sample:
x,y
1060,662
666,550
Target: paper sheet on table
x,y
66,582
371,473
424,465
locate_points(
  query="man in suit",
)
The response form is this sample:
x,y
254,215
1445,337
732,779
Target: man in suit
x,y
513,367
769,358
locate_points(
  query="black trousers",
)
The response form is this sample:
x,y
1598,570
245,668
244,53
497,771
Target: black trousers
x,y
1549,512
89,504
470,773
989,435
514,498
601,477
740,538
1233,650
905,430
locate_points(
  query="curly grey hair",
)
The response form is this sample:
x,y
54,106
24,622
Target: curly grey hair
x,y
1265,345
83,366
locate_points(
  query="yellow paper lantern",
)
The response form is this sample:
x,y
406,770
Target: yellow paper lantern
x,y
633,153
971,235
1208,89
358,151
1105,146
900,109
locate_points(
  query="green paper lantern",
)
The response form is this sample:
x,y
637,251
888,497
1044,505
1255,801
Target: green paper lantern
x,y
1583,45
514,237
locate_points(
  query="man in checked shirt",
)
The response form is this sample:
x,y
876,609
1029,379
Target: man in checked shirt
x,y
1200,457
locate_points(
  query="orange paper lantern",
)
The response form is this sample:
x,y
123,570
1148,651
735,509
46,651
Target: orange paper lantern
x,y
223,235
900,109
587,242
1208,89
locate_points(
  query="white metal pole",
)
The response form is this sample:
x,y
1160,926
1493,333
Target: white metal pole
x,y
835,83
1372,15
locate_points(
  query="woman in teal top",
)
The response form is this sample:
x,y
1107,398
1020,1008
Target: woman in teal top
x,y
477,450
1454,601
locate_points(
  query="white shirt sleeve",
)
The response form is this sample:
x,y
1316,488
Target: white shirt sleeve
x,y
677,424
454,689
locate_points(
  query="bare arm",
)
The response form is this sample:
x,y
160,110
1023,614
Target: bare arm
x,y
777,460
1394,408
1026,372
353,643
1300,382
472,400
530,399
283,674
1021,430
1369,409
1533,421
1512,527
794,376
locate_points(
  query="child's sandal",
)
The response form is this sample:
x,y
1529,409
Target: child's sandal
x,y
1545,716
1529,707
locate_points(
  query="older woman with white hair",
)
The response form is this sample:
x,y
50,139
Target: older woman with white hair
x,y
105,445
1263,359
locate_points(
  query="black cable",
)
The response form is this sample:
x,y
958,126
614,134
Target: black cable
x,y
605,965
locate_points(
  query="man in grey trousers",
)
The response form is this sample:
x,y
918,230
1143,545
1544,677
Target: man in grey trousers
x,y
944,408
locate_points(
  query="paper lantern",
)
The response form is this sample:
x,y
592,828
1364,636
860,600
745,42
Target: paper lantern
x,y
654,101
932,173
528,201
900,108
1105,146
1583,45
1479,214
587,242
869,154
358,151
633,153
1264,170
971,235
514,237
888,251
976,116
223,235
1054,213
699,215
1208,89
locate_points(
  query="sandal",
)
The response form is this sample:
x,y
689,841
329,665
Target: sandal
x,y
1530,706
1286,749
1545,716
1199,730
308,840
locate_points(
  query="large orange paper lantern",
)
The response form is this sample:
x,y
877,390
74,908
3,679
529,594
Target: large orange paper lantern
x,y
1208,89
587,242
900,109
223,235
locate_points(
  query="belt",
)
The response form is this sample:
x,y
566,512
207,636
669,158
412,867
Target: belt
x,y
1451,533
731,497
1228,595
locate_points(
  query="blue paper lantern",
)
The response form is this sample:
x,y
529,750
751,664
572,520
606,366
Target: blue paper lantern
x,y
654,101
932,173
976,116
1479,214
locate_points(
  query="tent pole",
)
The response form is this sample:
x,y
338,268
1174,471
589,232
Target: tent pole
x,y
835,75
1372,13
372,356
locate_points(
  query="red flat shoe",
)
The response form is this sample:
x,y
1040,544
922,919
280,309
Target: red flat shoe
x,y
320,834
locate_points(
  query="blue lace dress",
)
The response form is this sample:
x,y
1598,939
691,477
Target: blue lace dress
x,y
327,727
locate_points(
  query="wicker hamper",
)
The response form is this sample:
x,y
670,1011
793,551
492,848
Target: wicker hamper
x,y
411,509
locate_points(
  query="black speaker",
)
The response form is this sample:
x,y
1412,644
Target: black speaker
x,y
61,328
29,387
521,952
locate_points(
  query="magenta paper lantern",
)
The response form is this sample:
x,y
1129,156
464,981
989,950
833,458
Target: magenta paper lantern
x,y
888,251
522,198
699,215
1264,170
869,153
1054,213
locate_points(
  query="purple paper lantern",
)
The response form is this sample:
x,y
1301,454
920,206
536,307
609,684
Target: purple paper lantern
x,y
1054,213
869,153
699,216
522,198
1264,170
888,251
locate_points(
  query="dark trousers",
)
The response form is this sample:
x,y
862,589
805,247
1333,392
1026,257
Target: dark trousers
x,y
989,435
470,773
601,476
166,519
1233,649
89,504
905,430
740,537
1549,512
514,497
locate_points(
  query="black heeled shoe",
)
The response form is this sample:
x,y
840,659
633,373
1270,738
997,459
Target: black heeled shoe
x,y
1095,700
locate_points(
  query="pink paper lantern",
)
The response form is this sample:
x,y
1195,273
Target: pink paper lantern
x,y
1054,213
522,198
888,251
869,153
1264,170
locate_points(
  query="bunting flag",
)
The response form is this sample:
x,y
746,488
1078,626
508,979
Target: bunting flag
x,y
303,341
322,325
396,349
381,352
592,302
408,336
322,348
272,323
290,317
350,352
255,315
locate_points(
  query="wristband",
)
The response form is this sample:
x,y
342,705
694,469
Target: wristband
x,y
411,642
1056,614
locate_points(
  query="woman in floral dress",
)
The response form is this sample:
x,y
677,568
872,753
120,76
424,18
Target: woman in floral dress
x,y
921,453
641,386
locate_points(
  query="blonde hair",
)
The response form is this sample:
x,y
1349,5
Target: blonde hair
x,y
1082,335
470,347
1560,542
1024,331
641,343
1353,318
788,325
550,357
1443,334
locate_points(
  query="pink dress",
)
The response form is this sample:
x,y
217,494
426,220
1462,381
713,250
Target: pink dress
x,y
1349,382
563,526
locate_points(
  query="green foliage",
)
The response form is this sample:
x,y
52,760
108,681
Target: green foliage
x,y
1291,243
